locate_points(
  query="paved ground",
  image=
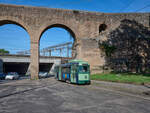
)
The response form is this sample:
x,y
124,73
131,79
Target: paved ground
x,y
51,96
131,89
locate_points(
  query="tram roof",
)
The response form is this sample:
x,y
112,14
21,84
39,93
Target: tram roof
x,y
78,61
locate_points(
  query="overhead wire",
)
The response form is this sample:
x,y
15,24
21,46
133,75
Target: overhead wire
x,y
134,11
143,8
127,6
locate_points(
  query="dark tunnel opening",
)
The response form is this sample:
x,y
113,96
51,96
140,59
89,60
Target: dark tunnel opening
x,y
23,68
45,67
20,68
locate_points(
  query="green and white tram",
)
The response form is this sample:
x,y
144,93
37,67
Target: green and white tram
x,y
75,71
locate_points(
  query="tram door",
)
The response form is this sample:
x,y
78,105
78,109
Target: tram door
x,y
73,73
59,74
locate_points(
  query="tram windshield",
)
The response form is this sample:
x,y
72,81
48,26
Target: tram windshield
x,y
84,68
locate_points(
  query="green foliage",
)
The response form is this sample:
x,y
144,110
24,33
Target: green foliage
x,y
3,51
109,49
122,77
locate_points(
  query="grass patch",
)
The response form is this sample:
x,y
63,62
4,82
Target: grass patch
x,y
122,78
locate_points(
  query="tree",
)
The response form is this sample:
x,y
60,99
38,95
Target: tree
x,y
3,51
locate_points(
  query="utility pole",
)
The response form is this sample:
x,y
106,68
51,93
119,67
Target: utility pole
x,y
49,52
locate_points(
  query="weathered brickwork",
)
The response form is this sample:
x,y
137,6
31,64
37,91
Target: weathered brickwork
x,y
84,26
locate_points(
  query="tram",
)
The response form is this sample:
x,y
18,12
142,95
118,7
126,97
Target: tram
x,y
75,71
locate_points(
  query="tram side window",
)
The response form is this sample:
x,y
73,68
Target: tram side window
x,y
56,69
66,69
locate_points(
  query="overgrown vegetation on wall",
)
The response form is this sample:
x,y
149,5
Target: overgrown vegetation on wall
x,y
127,48
108,49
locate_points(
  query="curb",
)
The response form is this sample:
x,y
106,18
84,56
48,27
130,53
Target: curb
x,y
139,91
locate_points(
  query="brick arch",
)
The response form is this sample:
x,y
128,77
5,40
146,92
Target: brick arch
x,y
72,33
60,26
16,21
71,29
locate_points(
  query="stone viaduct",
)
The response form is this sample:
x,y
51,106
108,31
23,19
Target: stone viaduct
x,y
84,26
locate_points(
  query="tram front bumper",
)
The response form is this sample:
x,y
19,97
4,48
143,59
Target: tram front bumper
x,y
84,82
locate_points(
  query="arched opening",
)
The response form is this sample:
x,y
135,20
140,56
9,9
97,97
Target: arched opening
x,y
53,38
56,41
14,44
102,27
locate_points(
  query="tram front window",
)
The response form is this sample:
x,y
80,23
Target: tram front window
x,y
84,68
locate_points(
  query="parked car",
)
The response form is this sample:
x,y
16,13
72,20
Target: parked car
x,y
43,74
12,76
2,76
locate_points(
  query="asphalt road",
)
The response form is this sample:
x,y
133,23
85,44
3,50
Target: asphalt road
x,y
51,96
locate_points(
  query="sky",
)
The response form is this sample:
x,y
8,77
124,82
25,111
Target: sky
x,y
14,38
87,5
